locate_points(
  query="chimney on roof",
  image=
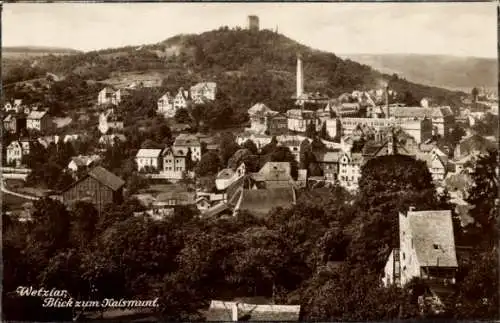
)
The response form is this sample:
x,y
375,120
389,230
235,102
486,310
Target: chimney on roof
x,y
411,209
234,311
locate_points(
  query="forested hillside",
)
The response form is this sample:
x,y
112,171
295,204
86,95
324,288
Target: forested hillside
x,y
248,66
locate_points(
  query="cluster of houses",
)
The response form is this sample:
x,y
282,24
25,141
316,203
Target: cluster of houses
x,y
173,162
19,116
199,93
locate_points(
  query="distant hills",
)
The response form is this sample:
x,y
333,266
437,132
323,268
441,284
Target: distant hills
x,y
33,51
452,72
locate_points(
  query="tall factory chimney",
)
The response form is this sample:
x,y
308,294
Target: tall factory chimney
x,y
300,77
386,97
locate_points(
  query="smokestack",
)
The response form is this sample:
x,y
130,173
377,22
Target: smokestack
x,y
386,93
300,77
234,311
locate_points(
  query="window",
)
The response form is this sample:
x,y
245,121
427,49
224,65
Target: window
x,y
404,256
436,246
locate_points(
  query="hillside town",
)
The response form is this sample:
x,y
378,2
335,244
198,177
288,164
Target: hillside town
x,y
272,167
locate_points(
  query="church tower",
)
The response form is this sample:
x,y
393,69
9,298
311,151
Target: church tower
x,y
300,77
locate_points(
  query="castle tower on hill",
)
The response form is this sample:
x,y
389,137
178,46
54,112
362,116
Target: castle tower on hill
x,y
253,23
300,77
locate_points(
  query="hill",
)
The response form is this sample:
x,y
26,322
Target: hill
x,y
452,72
248,66
20,52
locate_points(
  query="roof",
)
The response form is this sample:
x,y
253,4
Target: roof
x,y
222,311
433,238
37,114
419,112
226,173
108,89
259,108
260,201
185,139
106,178
275,171
81,161
181,196
328,157
148,153
209,85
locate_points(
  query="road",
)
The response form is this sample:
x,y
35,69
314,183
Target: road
x,y
7,191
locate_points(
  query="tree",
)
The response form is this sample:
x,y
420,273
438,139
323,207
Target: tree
x,y
311,130
270,147
238,157
483,196
182,116
478,292
84,219
250,145
228,147
456,135
388,185
208,165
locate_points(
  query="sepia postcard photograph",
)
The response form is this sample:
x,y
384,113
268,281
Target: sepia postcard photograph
x,y
332,162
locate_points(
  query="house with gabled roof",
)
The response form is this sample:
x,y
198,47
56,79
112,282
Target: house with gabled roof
x,y
166,105
181,99
99,187
350,164
13,123
328,161
148,159
174,163
38,120
187,142
426,250
18,149
204,90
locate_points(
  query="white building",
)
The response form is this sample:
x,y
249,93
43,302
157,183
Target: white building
x,y
166,106
181,100
148,158
350,170
109,121
419,129
204,91
38,120
16,150
259,140
299,120
442,117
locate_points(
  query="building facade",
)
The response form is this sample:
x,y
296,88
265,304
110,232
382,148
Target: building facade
x,y
148,159
39,121
99,187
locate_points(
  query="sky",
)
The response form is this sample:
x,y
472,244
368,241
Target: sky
x,y
459,29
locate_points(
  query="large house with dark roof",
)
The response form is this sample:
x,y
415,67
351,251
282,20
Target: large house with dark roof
x,y
99,187
426,250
